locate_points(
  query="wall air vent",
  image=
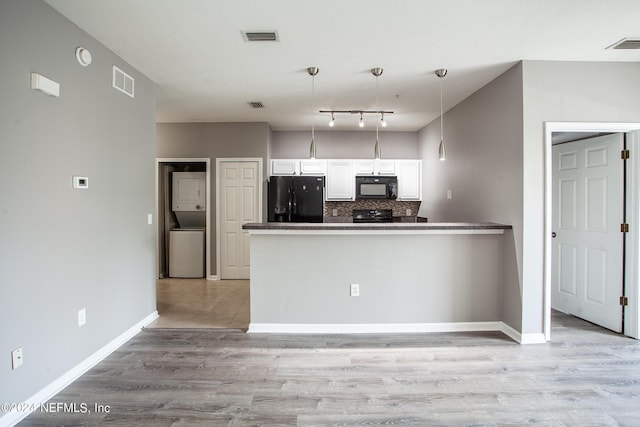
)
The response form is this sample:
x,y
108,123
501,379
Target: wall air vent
x,y
256,104
260,36
123,81
626,43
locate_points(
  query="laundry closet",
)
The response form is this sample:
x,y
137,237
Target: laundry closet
x,y
183,210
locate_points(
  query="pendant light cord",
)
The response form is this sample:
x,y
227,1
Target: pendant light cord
x,y
377,108
313,107
441,115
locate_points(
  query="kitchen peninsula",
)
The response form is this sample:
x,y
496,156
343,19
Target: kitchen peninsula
x,y
391,277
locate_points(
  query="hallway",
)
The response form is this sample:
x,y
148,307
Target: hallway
x,y
201,303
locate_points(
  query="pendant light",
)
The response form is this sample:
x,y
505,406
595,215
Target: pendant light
x,y
376,149
441,151
312,72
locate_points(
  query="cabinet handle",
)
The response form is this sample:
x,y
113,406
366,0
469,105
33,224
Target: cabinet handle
x,y
553,234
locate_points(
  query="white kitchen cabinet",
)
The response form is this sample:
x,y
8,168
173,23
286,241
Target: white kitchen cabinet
x,y
375,167
363,167
384,167
340,180
285,167
409,179
313,167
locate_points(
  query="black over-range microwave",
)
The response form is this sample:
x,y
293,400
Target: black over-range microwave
x,y
376,187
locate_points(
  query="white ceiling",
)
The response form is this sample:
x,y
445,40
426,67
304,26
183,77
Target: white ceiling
x,y
206,72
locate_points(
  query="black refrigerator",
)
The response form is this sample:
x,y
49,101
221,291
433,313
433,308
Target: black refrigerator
x,y
296,198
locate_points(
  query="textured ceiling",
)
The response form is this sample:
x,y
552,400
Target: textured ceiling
x,y
206,72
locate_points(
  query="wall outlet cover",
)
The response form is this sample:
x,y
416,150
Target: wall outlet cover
x,y
16,358
355,290
82,317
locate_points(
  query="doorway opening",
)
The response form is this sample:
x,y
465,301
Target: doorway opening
x,y
183,212
632,213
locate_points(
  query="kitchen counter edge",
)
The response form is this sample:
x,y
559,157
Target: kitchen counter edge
x,y
453,227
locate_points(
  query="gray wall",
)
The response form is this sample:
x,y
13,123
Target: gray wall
x,y
344,144
63,249
495,163
483,170
569,92
215,140
428,278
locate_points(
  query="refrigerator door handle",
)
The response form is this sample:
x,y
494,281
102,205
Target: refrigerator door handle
x,y
293,206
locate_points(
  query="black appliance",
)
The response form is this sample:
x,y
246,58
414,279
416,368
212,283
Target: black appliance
x,y
296,198
372,215
376,187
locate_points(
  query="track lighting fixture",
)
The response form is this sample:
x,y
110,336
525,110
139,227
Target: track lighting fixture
x,y
312,148
383,123
361,113
441,151
361,122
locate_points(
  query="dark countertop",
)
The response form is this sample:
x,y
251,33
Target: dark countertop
x,y
391,226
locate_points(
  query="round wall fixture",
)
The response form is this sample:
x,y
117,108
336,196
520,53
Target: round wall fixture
x,y
83,56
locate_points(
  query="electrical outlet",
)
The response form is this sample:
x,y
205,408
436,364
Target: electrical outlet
x,y
149,219
334,212
449,195
355,290
82,317
16,358
408,213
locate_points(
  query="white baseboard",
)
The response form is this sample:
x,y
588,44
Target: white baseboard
x,y
213,277
383,328
368,328
12,418
537,338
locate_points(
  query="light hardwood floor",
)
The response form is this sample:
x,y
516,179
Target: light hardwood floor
x,y
200,303
586,376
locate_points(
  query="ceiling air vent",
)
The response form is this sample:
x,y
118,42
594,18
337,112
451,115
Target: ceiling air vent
x,y
627,43
260,36
256,104
123,81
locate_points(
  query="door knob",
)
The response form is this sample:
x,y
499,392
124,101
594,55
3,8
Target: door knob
x,y
553,234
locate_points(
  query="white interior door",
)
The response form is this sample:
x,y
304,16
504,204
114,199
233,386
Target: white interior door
x,y
587,249
240,203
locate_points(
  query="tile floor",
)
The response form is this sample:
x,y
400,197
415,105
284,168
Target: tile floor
x,y
201,303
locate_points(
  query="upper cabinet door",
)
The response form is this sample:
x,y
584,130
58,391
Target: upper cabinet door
x,y
409,179
313,167
189,191
384,167
285,167
340,180
364,167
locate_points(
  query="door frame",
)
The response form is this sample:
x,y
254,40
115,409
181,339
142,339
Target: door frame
x,y
207,161
220,160
631,325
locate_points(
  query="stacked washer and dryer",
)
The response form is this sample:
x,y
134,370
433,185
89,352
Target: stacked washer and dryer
x,y
187,241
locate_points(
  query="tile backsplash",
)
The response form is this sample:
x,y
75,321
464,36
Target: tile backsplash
x,y
346,208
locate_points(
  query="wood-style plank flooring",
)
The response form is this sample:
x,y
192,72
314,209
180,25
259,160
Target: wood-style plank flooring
x,y
586,376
